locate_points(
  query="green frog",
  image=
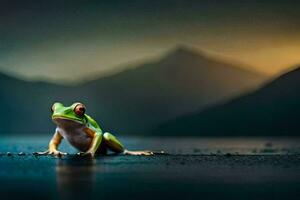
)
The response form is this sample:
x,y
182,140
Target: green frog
x,y
83,133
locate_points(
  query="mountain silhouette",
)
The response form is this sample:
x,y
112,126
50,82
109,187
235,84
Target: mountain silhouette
x,y
272,110
132,101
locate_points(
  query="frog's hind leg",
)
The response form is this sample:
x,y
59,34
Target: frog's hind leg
x,y
112,143
102,149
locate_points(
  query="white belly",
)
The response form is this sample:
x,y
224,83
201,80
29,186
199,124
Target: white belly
x,y
76,137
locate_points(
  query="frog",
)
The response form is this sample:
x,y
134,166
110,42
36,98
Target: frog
x,y
83,133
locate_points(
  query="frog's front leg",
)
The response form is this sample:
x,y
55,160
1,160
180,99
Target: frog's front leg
x,y
53,145
97,138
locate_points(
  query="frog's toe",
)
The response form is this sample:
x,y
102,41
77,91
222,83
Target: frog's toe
x,y
83,154
146,153
41,153
58,153
88,154
139,153
79,153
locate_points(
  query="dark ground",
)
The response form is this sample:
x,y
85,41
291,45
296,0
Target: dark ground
x,y
251,168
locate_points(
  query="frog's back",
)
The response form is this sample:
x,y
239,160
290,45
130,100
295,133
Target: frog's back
x,y
92,124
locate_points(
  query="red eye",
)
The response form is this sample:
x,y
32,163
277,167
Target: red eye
x,y
79,109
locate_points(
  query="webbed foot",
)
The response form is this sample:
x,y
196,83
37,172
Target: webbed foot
x,y
52,152
138,153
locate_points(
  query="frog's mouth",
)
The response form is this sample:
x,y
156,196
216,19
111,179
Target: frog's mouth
x,y
60,120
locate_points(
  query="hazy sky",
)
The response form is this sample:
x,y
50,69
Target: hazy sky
x,y
67,40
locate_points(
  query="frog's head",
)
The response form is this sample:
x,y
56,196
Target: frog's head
x,y
70,115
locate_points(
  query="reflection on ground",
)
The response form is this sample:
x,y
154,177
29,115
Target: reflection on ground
x,y
75,177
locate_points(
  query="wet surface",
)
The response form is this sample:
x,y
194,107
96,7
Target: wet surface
x,y
195,168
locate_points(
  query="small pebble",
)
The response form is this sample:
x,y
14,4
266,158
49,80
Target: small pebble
x,y
21,154
228,154
8,154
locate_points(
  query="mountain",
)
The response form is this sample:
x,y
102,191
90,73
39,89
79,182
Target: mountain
x,y
272,110
132,101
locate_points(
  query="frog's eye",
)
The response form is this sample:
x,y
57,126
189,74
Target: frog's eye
x,y
79,109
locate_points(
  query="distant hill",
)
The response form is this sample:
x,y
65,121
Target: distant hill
x,y
130,102
272,110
